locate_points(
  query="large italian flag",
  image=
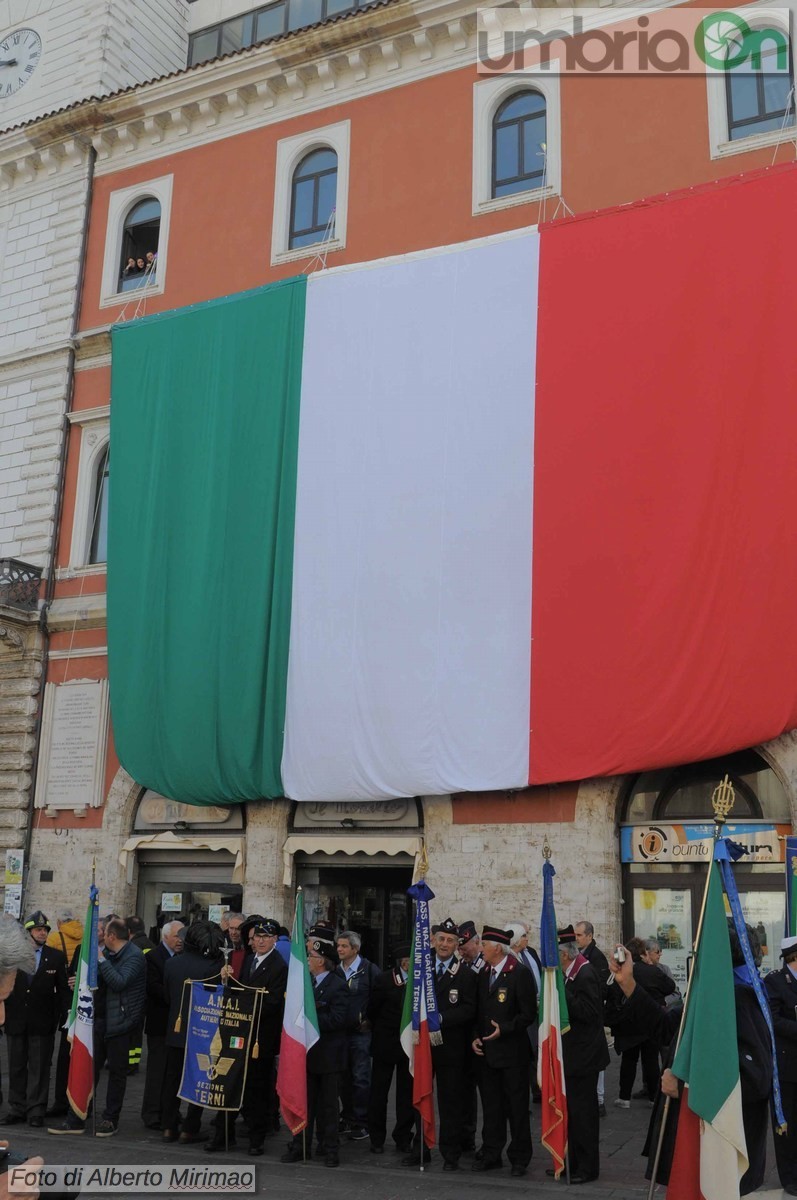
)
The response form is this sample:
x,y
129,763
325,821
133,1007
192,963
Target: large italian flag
x,y
508,512
710,1148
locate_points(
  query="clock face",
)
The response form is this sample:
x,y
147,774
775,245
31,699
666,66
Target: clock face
x,y
20,55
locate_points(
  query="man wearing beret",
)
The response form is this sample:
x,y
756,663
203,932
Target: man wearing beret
x,y
507,1006
385,1008
326,1061
35,1008
585,1055
265,970
782,995
455,992
470,953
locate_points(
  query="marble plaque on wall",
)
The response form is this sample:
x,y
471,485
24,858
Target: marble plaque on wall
x,y
73,748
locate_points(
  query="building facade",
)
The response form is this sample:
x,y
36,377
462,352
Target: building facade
x,y
265,159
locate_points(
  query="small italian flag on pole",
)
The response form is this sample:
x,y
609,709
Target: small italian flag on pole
x,y
299,1029
554,1021
710,1155
80,1025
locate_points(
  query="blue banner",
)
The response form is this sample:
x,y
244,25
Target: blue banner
x,y
549,942
218,1033
726,853
423,966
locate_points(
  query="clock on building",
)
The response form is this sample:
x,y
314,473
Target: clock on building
x,y
20,55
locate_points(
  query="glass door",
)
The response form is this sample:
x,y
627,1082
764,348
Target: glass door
x,y
665,914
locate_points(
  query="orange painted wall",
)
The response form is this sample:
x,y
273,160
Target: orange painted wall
x,y
410,177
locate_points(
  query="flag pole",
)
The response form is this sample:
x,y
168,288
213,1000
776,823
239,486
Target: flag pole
x,y
722,801
93,1022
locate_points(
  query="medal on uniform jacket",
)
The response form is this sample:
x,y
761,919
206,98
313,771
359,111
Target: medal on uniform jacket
x,y
502,993
453,995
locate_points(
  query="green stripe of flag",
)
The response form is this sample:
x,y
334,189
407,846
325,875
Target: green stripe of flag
x,y
204,442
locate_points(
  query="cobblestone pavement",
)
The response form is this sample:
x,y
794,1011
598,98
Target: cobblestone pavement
x,y
365,1176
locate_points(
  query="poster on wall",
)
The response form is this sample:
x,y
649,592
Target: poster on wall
x,y
13,899
217,911
171,901
15,860
765,913
666,915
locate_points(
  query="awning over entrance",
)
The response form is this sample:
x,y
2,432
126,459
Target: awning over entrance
x,y
172,842
323,843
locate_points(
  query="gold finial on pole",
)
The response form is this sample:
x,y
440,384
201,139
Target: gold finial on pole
x,y
722,801
421,863
546,849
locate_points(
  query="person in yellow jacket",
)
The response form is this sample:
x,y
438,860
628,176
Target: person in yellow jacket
x,y
67,935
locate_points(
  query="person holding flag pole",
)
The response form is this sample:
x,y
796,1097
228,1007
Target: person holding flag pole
x,y
420,1021
725,1021
554,1022
313,1038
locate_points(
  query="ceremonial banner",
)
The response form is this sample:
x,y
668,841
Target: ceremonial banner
x,y
420,1020
791,886
80,1025
217,1044
710,1149
484,495
554,1021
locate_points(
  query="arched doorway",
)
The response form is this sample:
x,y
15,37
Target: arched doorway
x,y
354,862
666,837
188,859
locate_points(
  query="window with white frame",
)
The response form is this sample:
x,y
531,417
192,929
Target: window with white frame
x,y
311,193
136,240
88,551
516,140
748,107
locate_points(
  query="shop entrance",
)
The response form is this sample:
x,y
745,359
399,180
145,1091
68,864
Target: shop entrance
x,y
370,901
191,890
666,841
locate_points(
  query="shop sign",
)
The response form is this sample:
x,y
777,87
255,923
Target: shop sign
x,y
693,842
171,901
358,813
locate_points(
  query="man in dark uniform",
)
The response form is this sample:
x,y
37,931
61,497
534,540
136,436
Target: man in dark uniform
x,y
326,1061
265,970
470,953
585,1054
157,1016
384,1011
507,1005
782,995
455,991
36,1007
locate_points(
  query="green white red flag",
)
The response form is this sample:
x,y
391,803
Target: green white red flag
x,y
299,1029
710,1155
80,1024
420,1020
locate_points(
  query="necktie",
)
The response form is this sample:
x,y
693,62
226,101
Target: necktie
x,y
440,969
493,977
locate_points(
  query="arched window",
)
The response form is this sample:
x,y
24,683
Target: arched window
x,y
313,191
140,245
759,102
98,551
519,134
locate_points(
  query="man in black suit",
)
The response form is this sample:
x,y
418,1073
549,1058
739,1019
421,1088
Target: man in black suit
x,y
455,992
264,969
471,957
507,1005
326,1060
782,995
384,1011
585,1054
585,940
36,1007
157,1015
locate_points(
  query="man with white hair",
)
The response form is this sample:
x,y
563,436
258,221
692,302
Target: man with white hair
x,y
507,1005
157,1016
